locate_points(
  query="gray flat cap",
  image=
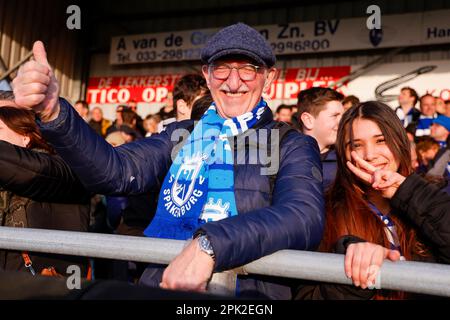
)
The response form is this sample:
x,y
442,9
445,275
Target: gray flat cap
x,y
238,39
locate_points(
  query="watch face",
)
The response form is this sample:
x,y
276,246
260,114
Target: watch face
x,y
205,245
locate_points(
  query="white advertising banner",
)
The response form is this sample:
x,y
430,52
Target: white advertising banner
x,y
384,82
412,29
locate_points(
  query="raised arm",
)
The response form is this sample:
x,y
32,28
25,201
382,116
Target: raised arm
x,y
130,169
428,208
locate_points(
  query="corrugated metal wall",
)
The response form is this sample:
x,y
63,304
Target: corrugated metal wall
x,y
24,21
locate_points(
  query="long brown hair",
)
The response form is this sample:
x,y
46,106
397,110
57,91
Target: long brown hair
x,y
347,207
23,122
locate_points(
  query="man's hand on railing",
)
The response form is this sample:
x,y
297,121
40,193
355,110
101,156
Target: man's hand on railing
x,y
363,261
190,270
36,87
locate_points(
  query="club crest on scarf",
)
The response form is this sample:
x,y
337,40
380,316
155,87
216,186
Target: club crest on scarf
x,y
199,186
188,173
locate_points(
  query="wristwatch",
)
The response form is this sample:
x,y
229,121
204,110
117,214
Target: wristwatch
x,y
205,246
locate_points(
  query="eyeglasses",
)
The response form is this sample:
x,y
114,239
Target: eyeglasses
x,y
247,72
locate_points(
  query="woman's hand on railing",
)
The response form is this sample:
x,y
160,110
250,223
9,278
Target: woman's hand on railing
x,y
363,261
384,180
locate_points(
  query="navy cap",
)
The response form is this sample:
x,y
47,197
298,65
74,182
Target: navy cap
x,y
238,39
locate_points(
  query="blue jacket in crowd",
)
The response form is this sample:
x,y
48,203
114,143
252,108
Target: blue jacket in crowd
x,y
329,165
290,217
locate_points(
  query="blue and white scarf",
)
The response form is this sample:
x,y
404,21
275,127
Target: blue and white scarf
x,y
389,229
199,186
423,125
406,119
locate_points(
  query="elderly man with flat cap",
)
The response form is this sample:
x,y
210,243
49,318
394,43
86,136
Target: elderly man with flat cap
x,y
209,192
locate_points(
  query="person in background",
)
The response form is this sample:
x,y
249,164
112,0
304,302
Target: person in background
x,y
128,120
283,113
200,106
186,91
350,101
427,115
168,110
151,123
98,123
440,165
129,124
117,123
320,110
440,130
427,149
82,108
406,111
133,105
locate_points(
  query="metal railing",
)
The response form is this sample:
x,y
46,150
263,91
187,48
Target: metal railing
x,y
418,277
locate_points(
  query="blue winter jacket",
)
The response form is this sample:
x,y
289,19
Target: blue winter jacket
x,y
292,218
329,166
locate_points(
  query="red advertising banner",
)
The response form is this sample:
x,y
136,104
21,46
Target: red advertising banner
x,y
154,88
289,82
148,89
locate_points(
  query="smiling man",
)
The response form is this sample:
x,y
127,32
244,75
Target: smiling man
x,y
233,212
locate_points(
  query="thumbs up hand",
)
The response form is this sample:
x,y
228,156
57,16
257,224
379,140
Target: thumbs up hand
x,y
36,87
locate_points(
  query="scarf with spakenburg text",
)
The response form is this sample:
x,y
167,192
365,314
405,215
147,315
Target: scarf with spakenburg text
x,y
199,186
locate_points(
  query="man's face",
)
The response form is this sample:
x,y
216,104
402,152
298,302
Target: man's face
x,y
97,115
428,106
234,96
150,125
284,115
133,105
82,111
327,122
438,132
405,98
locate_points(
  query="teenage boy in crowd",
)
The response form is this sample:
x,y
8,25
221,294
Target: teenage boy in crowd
x,y
320,110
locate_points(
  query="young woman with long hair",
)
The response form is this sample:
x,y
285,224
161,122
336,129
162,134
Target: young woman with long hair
x,y
362,219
